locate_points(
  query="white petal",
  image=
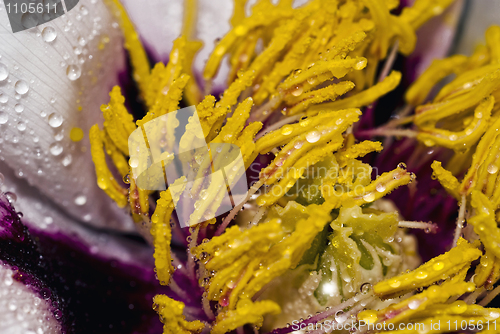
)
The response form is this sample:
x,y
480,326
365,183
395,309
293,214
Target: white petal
x,y
21,309
42,215
481,14
435,38
159,23
33,143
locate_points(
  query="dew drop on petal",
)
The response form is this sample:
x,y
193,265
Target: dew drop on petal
x,y
59,136
297,91
286,130
82,41
422,274
4,117
492,169
394,283
84,10
4,98
21,87
12,305
21,126
313,136
4,72
134,162
73,72
55,120
19,108
414,304
80,200
55,149
380,187
11,197
49,34
438,266
304,122
369,197
67,160
8,280
360,64
29,20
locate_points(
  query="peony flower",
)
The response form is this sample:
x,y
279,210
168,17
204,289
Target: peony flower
x,y
316,241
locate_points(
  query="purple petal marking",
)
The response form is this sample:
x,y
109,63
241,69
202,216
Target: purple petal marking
x,y
88,293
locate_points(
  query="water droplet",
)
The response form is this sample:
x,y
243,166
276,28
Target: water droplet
x,y
55,149
286,130
134,162
494,315
438,266
21,87
59,136
55,120
394,283
49,34
8,280
18,108
365,288
370,197
11,197
4,98
492,169
459,307
4,72
414,304
29,20
429,142
67,160
298,145
21,126
340,317
73,72
82,41
313,136
4,117
12,305
80,200
380,187
304,122
126,179
421,274
360,65
297,91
